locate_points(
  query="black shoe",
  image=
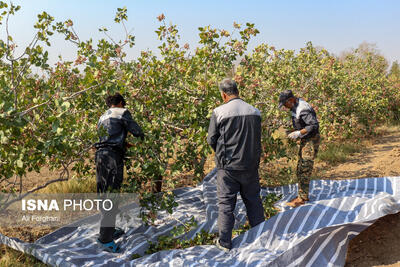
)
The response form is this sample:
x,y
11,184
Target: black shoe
x,y
221,247
110,246
118,232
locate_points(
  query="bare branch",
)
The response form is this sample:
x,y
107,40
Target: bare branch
x,y
63,176
6,205
22,113
172,126
72,41
8,35
20,184
68,36
309,81
80,155
14,89
179,221
126,31
75,34
46,184
19,77
9,195
30,46
81,92
66,171
32,108
109,37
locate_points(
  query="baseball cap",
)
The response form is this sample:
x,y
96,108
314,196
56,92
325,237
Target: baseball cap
x,y
284,96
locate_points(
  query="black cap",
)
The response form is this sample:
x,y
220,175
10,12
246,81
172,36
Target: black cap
x,y
284,96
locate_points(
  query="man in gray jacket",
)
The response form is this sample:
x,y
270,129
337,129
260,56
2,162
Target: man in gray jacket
x,y
235,136
113,127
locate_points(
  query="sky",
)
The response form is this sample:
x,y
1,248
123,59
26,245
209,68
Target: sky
x,y
335,25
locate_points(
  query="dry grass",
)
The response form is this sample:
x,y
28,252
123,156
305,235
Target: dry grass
x,y
10,257
14,258
74,185
335,153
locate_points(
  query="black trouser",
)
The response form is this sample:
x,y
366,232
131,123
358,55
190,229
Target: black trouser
x,y
229,183
109,175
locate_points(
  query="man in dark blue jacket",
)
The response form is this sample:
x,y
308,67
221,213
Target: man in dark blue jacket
x,y
306,127
235,136
113,127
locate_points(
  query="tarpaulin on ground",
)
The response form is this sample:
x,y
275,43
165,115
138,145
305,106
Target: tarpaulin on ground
x,y
316,234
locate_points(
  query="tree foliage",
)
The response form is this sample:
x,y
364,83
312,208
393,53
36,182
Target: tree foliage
x,y
48,118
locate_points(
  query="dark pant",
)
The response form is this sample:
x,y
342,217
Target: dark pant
x,y
109,175
229,183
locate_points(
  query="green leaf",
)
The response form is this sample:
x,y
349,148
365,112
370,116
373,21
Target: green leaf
x,y
20,164
66,105
59,130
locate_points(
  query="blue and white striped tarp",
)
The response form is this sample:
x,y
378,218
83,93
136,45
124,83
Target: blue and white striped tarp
x,y
316,234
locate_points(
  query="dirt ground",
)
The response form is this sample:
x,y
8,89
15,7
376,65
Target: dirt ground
x,y
379,244
33,179
380,158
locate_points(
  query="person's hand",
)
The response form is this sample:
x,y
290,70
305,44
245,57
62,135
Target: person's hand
x,y
294,135
288,131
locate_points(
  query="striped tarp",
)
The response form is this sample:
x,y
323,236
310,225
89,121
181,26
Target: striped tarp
x,y
316,234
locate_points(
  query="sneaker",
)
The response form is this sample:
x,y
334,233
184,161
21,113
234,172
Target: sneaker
x,y
110,246
298,201
221,247
118,232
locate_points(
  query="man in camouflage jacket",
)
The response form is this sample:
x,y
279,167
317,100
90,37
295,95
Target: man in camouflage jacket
x,y
306,127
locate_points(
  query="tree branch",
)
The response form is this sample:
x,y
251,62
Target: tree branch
x,y
172,126
76,35
81,92
22,113
30,46
109,37
8,35
6,205
32,108
64,176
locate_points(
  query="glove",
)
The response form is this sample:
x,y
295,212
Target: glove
x,y
294,135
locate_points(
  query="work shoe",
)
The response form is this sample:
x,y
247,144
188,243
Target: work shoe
x,y
118,232
110,246
298,201
221,247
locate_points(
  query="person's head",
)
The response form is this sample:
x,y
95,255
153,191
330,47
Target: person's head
x,y
287,99
228,89
116,100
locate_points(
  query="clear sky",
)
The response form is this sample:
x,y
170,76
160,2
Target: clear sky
x,y
336,25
